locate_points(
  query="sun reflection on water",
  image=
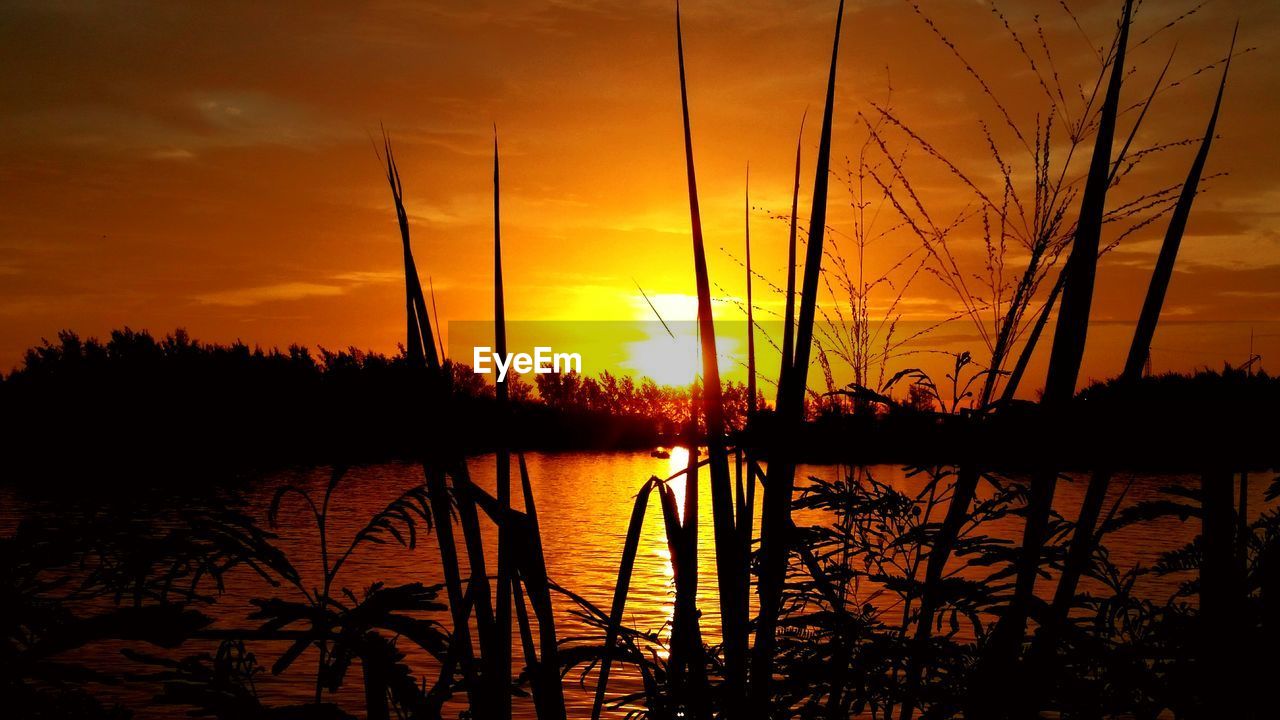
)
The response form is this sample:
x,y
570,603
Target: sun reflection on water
x,y
678,461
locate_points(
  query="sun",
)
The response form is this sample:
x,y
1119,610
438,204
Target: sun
x,y
665,360
670,353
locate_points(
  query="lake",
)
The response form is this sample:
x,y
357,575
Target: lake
x,y
584,502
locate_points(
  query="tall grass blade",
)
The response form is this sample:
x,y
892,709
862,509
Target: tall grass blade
x,y
789,315
420,344
1064,369
751,318
419,336
622,585
1140,348
500,665
776,523
527,646
534,571
686,668
731,568
1024,358
435,317
652,307
1072,327
1084,538
478,581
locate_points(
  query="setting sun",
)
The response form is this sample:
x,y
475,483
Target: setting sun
x,y
670,353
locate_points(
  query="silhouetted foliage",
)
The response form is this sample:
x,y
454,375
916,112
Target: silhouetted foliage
x,y
145,405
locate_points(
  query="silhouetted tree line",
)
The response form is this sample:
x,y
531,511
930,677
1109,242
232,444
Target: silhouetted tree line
x,y
145,403
1172,421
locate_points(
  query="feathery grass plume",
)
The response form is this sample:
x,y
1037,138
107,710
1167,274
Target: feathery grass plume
x,y
500,652
732,571
1039,227
854,338
1084,538
1064,369
776,525
789,326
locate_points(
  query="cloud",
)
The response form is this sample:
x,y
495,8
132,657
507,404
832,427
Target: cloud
x,y
247,297
370,276
1252,293
335,285
172,154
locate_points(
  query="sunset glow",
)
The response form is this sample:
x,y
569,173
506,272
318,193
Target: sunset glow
x,y
235,193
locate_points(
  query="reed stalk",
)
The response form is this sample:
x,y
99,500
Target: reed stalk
x,y
731,568
425,358
1024,358
789,316
500,665
533,571
776,525
1065,359
420,345
1085,537
527,646
1140,348
751,318
622,585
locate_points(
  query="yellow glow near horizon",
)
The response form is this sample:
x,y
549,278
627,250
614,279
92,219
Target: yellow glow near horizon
x,y
667,361
677,360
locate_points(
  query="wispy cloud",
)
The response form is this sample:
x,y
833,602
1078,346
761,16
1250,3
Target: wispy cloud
x,y
246,297
332,286
370,276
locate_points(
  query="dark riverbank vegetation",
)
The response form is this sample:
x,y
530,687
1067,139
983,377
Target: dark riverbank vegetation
x,y
137,401
872,600
136,398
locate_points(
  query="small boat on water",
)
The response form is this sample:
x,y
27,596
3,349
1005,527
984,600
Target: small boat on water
x,y
661,453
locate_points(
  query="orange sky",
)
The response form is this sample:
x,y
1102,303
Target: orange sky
x,y
181,166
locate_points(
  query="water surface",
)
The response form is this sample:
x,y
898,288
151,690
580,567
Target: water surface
x,y
584,503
